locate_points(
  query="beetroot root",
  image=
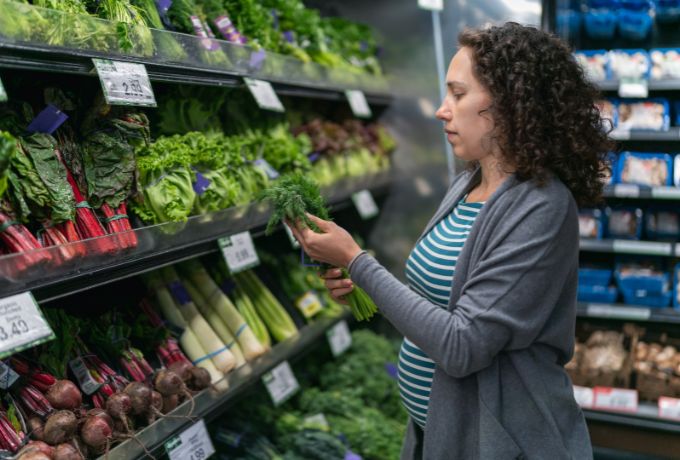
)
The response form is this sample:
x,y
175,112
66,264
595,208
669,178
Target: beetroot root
x,y
96,432
140,397
170,403
64,394
36,428
60,427
39,446
67,452
183,369
200,378
119,405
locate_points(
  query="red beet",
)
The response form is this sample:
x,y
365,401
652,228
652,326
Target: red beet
x,y
96,432
101,413
36,428
34,455
119,405
67,452
140,397
183,369
168,383
64,394
60,427
39,446
200,378
170,403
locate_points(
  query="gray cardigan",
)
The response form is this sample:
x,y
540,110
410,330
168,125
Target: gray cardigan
x,y
500,390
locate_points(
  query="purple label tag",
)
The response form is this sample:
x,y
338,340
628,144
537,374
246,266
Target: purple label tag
x,y
363,46
48,120
200,31
179,292
349,455
257,59
267,168
163,5
289,36
392,370
314,157
227,29
275,18
227,286
202,183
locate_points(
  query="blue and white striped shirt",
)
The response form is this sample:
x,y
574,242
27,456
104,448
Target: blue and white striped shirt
x,y
429,270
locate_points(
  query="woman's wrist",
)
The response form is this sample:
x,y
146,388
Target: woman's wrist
x,y
354,258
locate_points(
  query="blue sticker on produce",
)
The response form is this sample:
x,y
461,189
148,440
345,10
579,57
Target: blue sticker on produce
x,y
314,157
48,120
275,17
179,292
257,59
391,370
349,455
202,183
288,36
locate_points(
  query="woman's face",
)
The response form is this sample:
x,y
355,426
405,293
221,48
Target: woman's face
x,y
466,125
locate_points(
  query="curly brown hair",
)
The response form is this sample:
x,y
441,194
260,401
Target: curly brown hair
x,y
543,107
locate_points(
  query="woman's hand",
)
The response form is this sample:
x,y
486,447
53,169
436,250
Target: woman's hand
x,y
335,246
338,286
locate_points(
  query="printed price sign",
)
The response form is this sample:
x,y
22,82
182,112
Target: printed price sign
x,y
434,5
615,399
633,87
627,190
86,382
125,83
22,325
669,407
264,95
281,383
3,93
365,204
610,311
339,338
584,396
309,304
239,252
192,444
316,422
7,376
358,103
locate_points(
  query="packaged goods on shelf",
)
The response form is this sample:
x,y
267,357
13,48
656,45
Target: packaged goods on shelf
x,y
595,63
652,169
662,225
612,160
657,370
635,19
633,63
643,114
603,360
624,223
591,223
608,112
665,63
643,285
667,11
594,285
601,19
676,287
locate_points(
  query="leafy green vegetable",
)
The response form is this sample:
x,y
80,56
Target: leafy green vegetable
x,y
8,149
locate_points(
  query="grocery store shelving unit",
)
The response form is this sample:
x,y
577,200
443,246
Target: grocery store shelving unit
x,y
654,85
649,248
673,134
641,192
625,312
211,403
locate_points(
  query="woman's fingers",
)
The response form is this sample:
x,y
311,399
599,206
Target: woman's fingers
x,y
339,284
339,294
331,273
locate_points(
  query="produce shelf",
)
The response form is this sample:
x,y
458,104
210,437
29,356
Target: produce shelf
x,y
650,248
211,403
35,44
647,417
642,192
670,84
158,245
673,134
627,312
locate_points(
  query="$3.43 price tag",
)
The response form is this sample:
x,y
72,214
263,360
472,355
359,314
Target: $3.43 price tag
x,y
192,444
264,95
358,103
125,83
615,399
365,204
339,338
281,383
22,325
239,252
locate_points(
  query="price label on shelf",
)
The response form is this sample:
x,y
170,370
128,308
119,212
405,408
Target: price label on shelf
x,y
596,310
281,383
627,191
264,94
86,382
434,5
634,87
239,252
365,204
22,324
584,396
192,444
316,422
309,304
125,83
615,399
358,103
7,376
291,237
3,93
339,338
669,408
643,247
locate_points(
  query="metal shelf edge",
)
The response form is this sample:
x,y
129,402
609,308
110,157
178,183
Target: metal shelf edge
x,y
619,246
644,418
626,312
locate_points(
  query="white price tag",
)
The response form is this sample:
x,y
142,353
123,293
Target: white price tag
x,y
620,134
672,193
358,103
642,247
627,191
267,168
339,338
86,382
595,310
584,396
22,325
264,94
634,87
3,93
281,383
615,399
434,5
125,83
291,237
239,252
309,304
365,204
669,408
192,444
7,376
316,422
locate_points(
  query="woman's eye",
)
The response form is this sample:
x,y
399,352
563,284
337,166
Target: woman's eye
x,y
457,96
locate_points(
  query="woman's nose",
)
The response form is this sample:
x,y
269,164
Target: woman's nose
x,y
443,113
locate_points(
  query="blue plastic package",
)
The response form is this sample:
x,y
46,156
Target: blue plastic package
x,y
599,294
676,287
629,63
635,25
667,11
652,169
643,286
568,23
665,63
594,276
612,159
643,114
595,63
624,223
661,224
601,23
591,223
